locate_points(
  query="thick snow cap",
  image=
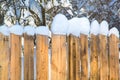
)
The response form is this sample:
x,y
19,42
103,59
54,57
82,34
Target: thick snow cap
x,y
16,29
29,30
43,30
114,31
59,24
4,30
84,25
104,28
74,27
95,27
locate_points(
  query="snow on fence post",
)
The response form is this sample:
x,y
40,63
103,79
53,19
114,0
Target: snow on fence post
x,y
114,53
74,49
15,48
42,44
4,53
29,53
59,68
85,27
94,51
103,48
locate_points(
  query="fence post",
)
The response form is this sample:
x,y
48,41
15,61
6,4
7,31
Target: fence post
x,y
103,48
4,57
74,58
84,56
28,57
94,57
59,58
42,57
15,64
114,57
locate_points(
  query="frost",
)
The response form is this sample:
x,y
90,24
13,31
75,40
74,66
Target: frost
x,y
104,28
16,29
4,30
43,30
29,30
95,27
114,31
59,24
74,27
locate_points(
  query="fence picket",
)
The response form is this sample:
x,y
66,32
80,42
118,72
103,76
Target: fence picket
x,y
114,57
28,57
42,57
94,57
74,58
59,58
84,56
4,57
15,59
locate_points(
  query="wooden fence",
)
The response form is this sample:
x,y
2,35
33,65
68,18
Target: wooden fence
x,y
72,58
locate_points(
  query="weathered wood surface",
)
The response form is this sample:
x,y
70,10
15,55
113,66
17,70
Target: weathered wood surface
x,y
84,56
103,48
15,59
74,58
59,58
42,57
4,57
114,57
94,57
28,57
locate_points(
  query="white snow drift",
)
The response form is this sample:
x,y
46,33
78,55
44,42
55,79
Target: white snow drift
x,y
114,31
4,30
29,30
104,28
43,30
84,25
16,29
59,24
74,27
95,27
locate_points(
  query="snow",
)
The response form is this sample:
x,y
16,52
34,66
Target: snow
x,y
60,24
114,31
74,27
104,28
84,25
4,30
29,30
16,29
42,30
95,27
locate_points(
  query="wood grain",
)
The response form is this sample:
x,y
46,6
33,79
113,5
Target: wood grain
x,y
28,57
4,57
15,65
59,58
42,57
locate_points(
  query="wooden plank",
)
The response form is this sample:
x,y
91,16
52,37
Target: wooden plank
x,y
28,57
42,57
94,57
78,66
59,58
4,57
103,49
84,56
74,58
114,57
15,60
